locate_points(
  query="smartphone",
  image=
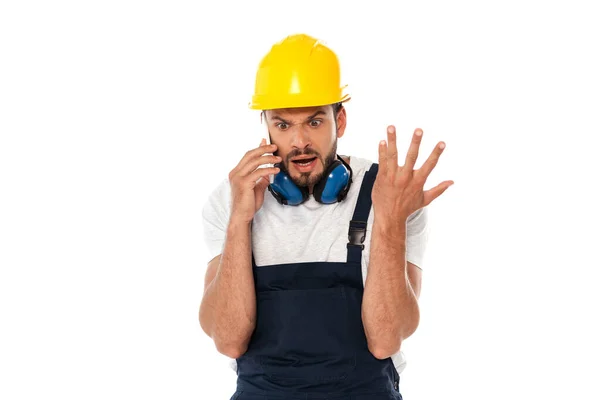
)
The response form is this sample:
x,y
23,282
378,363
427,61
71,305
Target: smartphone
x,y
268,140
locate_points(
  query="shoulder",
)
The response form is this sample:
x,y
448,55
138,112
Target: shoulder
x,y
218,199
221,190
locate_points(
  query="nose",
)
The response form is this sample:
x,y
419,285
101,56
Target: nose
x,y
300,137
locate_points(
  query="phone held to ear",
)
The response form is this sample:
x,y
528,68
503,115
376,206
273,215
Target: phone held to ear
x,y
272,176
267,137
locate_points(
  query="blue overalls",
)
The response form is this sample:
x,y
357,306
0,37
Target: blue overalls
x,y
309,341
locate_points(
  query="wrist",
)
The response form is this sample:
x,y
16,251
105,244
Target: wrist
x,y
388,226
237,223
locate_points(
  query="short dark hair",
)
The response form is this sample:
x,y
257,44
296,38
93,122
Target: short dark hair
x,y
336,109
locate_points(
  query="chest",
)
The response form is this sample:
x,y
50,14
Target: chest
x,y
310,232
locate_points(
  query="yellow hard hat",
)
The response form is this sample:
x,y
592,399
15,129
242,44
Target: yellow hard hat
x,y
299,71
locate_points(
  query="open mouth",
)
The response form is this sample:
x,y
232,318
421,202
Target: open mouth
x,y
304,162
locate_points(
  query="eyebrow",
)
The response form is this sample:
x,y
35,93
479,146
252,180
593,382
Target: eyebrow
x,y
277,117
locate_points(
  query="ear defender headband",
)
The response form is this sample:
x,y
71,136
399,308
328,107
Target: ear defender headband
x,y
332,188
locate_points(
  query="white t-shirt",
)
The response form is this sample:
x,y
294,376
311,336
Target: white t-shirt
x,y
309,232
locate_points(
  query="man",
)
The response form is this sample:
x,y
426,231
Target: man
x,y
313,286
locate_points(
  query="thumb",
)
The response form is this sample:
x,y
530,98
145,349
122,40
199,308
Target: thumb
x,y
262,184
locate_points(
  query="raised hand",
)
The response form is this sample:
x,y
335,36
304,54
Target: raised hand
x,y
398,190
249,182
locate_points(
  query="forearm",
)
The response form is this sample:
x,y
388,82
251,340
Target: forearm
x,y
390,311
228,309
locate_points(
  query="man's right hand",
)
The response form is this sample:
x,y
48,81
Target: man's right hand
x,y
248,182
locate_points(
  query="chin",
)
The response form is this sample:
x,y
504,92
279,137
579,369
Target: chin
x,y
308,178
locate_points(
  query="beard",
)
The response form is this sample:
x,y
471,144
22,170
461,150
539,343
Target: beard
x,y
309,179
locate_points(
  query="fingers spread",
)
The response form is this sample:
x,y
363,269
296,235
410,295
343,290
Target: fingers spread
x,y
432,160
413,150
392,150
382,158
435,192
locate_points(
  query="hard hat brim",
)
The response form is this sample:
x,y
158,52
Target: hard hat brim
x,y
294,101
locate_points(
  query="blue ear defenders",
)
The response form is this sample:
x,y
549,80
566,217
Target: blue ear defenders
x,y
332,188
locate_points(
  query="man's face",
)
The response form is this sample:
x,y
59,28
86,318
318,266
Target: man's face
x,y
306,140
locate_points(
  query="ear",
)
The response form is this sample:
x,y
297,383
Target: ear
x,y
341,122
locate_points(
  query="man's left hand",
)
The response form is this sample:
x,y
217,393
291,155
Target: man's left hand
x,y
398,190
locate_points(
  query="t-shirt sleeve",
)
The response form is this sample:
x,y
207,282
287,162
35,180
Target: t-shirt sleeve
x,y
215,218
416,236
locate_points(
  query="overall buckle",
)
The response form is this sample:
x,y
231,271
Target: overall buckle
x,y
357,233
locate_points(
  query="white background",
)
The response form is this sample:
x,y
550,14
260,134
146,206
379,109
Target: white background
x,y
118,117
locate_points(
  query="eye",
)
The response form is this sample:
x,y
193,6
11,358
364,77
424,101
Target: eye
x,y
315,123
281,125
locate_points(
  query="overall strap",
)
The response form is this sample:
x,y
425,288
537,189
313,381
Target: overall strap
x,y
358,226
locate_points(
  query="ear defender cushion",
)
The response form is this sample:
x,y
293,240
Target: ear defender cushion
x,y
334,185
286,192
